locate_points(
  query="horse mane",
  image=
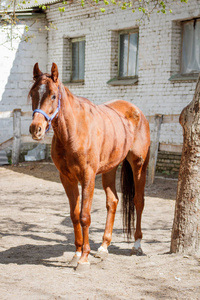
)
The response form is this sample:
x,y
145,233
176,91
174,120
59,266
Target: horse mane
x,y
72,97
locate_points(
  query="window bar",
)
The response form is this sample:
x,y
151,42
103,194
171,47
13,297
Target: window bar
x,y
78,60
128,53
137,50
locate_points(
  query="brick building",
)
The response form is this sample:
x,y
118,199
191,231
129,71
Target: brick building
x,y
104,56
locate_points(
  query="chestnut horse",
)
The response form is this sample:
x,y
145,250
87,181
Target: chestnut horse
x,y
88,140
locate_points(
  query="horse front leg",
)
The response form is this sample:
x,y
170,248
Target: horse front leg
x,y
72,192
85,216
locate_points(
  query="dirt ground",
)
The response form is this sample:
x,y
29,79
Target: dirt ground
x,y
36,244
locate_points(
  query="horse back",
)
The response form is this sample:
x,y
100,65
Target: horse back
x,y
132,114
126,110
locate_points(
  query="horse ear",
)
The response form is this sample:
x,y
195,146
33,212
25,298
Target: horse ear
x,y
54,72
36,71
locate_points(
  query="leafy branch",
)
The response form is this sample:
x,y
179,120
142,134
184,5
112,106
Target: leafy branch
x,y
8,13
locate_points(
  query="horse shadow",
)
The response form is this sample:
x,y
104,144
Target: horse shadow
x,y
48,255
54,252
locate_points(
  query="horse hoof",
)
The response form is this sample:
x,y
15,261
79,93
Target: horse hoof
x,y
82,267
101,253
137,252
74,261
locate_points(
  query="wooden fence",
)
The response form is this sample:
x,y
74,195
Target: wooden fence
x,y
157,120
18,138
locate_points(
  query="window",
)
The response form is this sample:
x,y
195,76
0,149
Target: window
x,y
78,59
190,47
128,54
124,57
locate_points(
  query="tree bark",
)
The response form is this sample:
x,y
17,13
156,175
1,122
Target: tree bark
x,y
186,227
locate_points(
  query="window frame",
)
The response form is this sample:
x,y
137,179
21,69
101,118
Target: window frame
x,y
178,75
181,58
75,40
123,32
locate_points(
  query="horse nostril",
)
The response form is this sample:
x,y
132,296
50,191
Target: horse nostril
x,y
39,129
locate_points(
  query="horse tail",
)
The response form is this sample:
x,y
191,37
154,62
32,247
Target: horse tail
x,y
128,192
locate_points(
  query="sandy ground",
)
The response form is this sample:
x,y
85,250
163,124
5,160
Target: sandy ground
x,y
36,244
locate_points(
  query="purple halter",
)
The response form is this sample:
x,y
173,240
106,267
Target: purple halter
x,y
49,119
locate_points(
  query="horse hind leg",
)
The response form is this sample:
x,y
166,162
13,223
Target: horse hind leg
x,y
139,167
108,181
139,179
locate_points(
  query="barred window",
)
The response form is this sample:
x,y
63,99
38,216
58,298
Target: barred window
x,y
128,54
190,47
78,59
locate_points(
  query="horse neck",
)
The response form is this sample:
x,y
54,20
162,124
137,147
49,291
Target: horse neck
x,y
65,126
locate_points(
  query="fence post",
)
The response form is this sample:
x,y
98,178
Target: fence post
x,y
154,148
16,136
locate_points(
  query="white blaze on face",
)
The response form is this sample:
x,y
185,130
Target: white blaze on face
x,y
41,92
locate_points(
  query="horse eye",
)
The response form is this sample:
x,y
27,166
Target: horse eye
x,y
53,97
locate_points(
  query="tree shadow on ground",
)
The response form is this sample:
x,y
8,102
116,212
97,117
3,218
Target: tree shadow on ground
x,y
33,254
162,188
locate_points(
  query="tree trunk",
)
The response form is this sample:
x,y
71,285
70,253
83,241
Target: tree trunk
x,y
186,227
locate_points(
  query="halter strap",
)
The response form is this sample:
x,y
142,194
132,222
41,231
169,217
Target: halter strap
x,y
49,119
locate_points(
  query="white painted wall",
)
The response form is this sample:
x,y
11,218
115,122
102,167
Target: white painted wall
x,y
17,59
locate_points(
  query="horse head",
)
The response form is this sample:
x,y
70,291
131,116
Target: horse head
x,y
45,96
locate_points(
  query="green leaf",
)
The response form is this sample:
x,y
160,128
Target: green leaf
x,y
61,9
102,9
106,2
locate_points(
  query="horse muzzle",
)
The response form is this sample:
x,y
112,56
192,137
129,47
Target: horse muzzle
x,y
37,130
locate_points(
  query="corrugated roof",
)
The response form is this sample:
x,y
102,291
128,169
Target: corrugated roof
x,y
24,5
35,3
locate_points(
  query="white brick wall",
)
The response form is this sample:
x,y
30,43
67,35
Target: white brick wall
x,y
159,58
16,72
